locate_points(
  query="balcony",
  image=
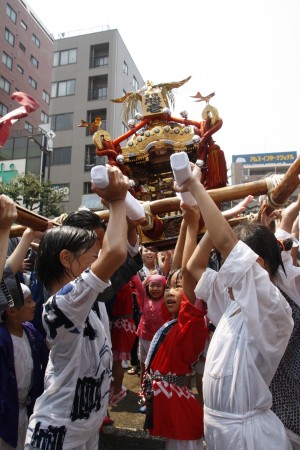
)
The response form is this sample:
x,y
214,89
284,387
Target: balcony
x,y
98,61
99,55
97,93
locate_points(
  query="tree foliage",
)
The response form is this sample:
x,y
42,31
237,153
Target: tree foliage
x,y
35,195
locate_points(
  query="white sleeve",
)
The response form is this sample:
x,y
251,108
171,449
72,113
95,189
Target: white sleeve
x,y
76,299
267,315
214,293
133,249
213,286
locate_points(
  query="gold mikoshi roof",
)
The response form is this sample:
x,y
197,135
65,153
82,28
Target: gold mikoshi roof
x,y
156,139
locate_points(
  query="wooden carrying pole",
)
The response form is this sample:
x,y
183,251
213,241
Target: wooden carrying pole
x,y
286,187
219,195
30,219
276,198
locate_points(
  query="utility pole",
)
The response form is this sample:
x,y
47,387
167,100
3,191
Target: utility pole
x,y
47,149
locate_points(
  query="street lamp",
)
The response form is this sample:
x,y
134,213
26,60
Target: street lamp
x,y
46,151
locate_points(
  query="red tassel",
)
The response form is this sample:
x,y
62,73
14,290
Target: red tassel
x,y
217,169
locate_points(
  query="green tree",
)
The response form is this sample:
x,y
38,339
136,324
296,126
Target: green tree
x,y
35,195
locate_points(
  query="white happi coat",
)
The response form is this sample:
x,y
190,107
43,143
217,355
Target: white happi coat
x,y
250,339
71,409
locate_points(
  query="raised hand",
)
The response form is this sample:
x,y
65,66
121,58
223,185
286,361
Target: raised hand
x,y
8,212
117,188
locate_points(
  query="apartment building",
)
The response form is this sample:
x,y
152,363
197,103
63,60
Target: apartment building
x,y
26,61
88,71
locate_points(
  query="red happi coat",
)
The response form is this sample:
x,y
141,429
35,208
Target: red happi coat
x,y
177,414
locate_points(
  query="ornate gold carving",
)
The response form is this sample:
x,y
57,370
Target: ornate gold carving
x,y
162,136
99,136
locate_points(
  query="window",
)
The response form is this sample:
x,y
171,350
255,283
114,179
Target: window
x,y
9,37
32,82
63,88
87,188
33,165
20,69
135,83
22,47
99,55
3,109
5,85
56,59
61,122
36,40
46,97
28,127
11,13
98,88
34,61
34,147
40,25
7,60
61,155
20,147
91,116
65,57
90,157
44,117
259,172
101,61
99,93
23,24
125,68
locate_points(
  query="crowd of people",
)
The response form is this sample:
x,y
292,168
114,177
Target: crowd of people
x,y
225,308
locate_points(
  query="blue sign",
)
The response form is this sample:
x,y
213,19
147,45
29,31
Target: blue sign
x,y
265,158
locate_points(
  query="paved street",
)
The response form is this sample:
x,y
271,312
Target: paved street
x,y
126,432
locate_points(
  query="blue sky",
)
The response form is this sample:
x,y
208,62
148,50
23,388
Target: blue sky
x,y
246,51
